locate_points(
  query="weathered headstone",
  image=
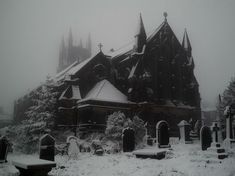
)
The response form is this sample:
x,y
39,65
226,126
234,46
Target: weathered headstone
x,y
47,147
162,134
128,139
205,137
4,144
73,147
184,128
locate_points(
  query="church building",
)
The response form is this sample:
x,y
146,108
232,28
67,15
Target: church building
x,y
152,78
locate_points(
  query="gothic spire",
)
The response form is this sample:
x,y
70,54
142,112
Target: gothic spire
x,y
140,36
89,43
70,40
61,55
186,44
62,43
81,45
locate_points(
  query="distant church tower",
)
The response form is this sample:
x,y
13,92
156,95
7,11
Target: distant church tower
x,y
70,53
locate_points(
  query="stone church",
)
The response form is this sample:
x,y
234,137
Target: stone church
x,y
152,78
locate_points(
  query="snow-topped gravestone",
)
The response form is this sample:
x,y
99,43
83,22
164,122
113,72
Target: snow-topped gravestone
x,y
162,134
184,128
47,147
128,138
205,137
4,144
73,148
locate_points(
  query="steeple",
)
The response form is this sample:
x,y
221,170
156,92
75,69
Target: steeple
x,y
62,56
70,40
89,44
81,43
140,36
186,44
62,45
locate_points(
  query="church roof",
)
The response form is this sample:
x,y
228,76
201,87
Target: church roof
x,y
123,53
78,67
62,74
126,49
155,32
105,91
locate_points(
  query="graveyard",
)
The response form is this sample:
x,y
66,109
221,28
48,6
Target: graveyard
x,y
129,101
208,154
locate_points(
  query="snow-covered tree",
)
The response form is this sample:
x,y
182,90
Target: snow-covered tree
x,y
229,94
118,121
115,124
226,99
39,118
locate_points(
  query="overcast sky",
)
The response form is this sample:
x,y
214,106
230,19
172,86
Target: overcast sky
x,y
31,32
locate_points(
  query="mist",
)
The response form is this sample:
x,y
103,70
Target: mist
x,y
31,32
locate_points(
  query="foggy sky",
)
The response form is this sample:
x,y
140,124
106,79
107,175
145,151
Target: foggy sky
x,y
31,32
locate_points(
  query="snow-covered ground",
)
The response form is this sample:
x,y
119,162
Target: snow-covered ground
x,y
182,160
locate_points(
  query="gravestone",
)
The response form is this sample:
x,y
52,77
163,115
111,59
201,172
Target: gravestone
x,y
184,128
205,137
162,134
73,147
4,145
215,150
47,147
128,139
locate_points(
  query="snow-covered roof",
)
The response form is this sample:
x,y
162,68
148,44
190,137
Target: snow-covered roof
x,y
62,74
105,91
122,50
76,68
155,32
